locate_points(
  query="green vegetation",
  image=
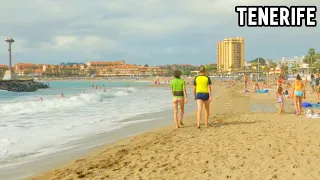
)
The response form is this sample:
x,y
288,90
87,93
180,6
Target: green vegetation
x,y
312,57
1,73
185,68
260,60
211,68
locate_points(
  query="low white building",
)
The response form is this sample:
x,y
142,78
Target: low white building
x,y
247,64
294,60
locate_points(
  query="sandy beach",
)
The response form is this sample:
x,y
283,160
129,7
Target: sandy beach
x,y
239,144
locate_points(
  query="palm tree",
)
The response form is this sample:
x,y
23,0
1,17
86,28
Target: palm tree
x,y
266,69
110,71
92,71
82,72
310,57
222,69
232,67
2,72
131,72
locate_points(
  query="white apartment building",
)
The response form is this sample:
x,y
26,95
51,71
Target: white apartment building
x,y
295,59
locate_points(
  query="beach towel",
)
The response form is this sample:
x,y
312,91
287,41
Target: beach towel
x,y
306,104
315,105
262,91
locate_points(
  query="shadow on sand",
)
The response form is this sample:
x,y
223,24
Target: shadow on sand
x,y
220,124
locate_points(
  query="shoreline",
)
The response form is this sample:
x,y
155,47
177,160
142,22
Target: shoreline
x,y
239,144
35,165
129,139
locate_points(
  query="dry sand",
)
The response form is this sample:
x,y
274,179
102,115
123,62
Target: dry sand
x,y
237,145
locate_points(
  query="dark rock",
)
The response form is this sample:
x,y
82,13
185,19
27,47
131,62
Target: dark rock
x,y
21,85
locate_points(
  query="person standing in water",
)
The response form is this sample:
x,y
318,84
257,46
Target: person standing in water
x,y
298,92
202,94
180,96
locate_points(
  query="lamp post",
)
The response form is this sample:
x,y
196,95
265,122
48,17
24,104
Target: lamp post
x,y
258,62
10,41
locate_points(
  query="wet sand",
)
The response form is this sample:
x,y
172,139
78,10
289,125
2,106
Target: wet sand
x,y
239,144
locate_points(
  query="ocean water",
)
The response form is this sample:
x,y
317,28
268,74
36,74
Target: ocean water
x,y
30,127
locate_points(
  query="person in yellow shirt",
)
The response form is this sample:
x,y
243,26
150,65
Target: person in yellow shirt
x,y
202,94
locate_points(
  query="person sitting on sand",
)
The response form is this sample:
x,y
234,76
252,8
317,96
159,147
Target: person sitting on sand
x,y
255,87
298,92
280,99
202,94
180,96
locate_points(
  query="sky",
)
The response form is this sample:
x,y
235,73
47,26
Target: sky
x,y
154,32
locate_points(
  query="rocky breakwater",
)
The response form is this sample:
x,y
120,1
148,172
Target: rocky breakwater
x,y
21,85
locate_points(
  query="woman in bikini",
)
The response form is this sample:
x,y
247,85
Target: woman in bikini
x,y
298,91
179,93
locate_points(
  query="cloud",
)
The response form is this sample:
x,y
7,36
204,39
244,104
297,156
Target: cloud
x,y
144,30
70,43
19,46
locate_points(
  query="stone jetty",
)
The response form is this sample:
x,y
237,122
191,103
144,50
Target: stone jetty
x,y
21,85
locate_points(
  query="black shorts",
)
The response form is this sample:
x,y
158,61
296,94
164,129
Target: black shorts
x,y
203,96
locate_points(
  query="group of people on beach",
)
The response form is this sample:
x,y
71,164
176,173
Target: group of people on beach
x,y
297,93
202,94
297,90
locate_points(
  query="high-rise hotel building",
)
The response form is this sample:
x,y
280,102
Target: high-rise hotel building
x,y
230,52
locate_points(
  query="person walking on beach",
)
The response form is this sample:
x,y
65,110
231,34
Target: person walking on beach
x,y
180,96
317,87
312,82
245,80
298,91
202,94
280,99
